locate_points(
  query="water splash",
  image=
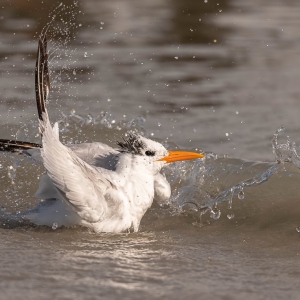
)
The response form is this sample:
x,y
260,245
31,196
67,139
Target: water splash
x,y
190,183
185,178
285,152
215,213
238,189
12,174
61,30
230,216
103,120
241,194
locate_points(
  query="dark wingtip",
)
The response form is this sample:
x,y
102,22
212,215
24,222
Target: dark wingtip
x,y
42,79
14,146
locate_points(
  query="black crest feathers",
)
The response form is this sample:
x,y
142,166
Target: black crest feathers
x,y
132,144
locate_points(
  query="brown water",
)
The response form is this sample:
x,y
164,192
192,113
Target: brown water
x,y
222,76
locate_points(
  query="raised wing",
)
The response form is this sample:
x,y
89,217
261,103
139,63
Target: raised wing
x,y
95,154
42,79
84,187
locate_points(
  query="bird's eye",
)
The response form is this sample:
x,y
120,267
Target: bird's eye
x,y
150,153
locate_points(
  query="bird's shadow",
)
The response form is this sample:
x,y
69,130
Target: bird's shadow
x,y
108,162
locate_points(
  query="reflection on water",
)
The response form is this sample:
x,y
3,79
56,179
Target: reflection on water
x,y
132,257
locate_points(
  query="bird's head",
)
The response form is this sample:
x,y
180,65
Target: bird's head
x,y
153,153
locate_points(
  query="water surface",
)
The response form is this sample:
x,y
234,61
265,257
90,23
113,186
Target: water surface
x,y
221,76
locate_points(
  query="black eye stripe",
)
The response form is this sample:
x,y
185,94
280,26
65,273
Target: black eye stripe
x,y
150,153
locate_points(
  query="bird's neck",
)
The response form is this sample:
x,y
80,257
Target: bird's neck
x,y
136,180
130,166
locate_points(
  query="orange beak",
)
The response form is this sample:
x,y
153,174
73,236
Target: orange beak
x,y
180,155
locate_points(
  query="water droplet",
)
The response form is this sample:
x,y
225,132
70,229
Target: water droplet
x,y
189,207
241,195
205,1
215,214
54,226
230,216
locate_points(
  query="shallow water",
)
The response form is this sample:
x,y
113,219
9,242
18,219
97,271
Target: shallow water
x,y
218,76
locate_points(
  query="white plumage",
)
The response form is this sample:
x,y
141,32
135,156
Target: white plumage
x,y
101,199
92,184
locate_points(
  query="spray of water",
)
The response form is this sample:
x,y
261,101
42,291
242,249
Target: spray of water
x,y
285,152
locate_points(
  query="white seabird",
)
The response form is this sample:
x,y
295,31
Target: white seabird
x,y
92,184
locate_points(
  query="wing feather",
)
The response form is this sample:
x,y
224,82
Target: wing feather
x,y
82,185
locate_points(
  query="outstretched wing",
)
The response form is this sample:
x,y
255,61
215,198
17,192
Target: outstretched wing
x,y
95,154
17,146
42,79
84,187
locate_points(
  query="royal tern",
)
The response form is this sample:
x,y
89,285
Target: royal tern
x,y
92,184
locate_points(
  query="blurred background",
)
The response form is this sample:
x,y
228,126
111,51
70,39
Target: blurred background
x,y
221,75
